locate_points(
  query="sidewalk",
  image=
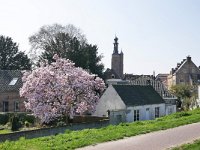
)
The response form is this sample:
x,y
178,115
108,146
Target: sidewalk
x,y
158,140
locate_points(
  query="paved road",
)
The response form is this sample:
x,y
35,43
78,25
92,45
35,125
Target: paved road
x,y
153,141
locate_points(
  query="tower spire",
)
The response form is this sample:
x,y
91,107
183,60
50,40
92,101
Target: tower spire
x,y
115,51
117,60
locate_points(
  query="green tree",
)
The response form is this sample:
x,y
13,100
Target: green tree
x,y
181,91
57,39
93,60
10,57
187,94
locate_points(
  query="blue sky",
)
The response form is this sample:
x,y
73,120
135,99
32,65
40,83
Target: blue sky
x,y
153,34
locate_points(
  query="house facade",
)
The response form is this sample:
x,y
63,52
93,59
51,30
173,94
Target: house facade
x,y
129,103
10,83
145,80
163,78
185,72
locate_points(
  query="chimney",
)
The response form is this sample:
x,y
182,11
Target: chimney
x,y
188,58
172,71
154,74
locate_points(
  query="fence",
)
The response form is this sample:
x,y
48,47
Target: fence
x,y
52,131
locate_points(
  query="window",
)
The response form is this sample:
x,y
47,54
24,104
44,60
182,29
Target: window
x,y
5,106
16,106
112,76
157,112
136,115
13,81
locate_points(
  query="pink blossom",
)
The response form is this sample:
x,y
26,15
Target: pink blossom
x,y
60,89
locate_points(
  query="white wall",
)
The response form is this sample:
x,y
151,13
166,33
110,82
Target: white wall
x,y
117,117
142,112
199,91
110,100
170,109
198,100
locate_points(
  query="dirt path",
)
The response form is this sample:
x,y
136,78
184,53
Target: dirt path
x,y
153,141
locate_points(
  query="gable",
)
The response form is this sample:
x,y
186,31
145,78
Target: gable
x,y
110,100
187,66
136,95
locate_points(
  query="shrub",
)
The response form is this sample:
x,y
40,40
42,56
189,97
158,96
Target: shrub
x,y
7,125
30,118
4,118
60,124
26,117
16,120
15,123
27,124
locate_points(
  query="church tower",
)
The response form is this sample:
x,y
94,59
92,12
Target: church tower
x,y
117,60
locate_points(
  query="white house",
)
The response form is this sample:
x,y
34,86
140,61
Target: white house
x,y
198,100
128,103
157,84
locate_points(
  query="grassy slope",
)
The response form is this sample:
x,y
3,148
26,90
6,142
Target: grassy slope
x,y
190,146
75,139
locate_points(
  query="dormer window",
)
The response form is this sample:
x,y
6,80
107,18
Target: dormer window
x,y
112,76
13,81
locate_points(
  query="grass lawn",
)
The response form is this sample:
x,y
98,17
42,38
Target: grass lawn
x,y
190,146
5,131
74,139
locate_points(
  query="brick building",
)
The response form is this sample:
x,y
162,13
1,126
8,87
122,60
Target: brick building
x,y
10,83
185,72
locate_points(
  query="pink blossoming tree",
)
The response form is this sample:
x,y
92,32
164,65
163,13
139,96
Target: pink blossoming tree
x,y
60,89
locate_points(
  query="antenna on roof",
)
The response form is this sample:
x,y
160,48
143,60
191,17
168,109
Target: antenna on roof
x,y
154,74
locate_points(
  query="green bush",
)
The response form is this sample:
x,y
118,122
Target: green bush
x,y
7,125
23,117
30,118
27,124
4,118
15,123
19,118
60,124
